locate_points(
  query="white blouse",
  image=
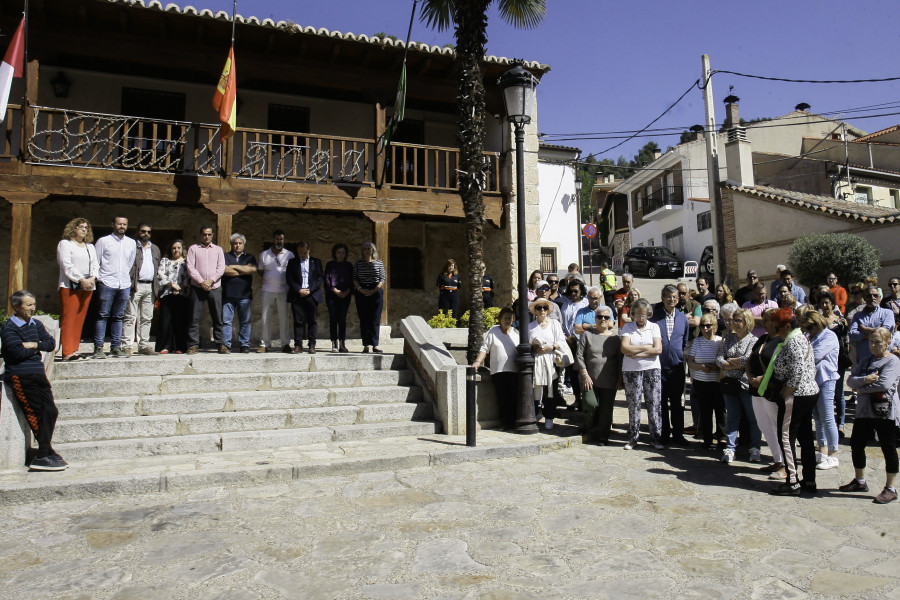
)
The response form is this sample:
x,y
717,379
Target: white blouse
x,y
75,263
501,347
640,337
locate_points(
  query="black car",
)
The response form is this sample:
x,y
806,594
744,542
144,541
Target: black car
x,y
653,261
707,262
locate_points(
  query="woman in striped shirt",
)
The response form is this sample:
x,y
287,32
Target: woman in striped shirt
x,y
705,376
368,283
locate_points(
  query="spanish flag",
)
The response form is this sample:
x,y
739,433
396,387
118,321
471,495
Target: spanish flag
x,y
225,98
12,66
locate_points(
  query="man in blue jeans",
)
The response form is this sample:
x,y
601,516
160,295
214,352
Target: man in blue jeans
x,y
237,291
115,254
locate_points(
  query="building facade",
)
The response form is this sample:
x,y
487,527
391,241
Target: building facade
x,y
560,210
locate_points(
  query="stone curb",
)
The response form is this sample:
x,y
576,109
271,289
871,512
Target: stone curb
x,y
258,474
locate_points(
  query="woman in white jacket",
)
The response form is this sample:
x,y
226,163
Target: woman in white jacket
x,y
78,270
546,337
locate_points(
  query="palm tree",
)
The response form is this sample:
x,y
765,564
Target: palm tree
x,y
470,20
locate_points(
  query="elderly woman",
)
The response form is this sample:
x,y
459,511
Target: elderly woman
x,y
174,288
701,360
546,337
765,412
368,283
574,300
839,326
448,288
78,271
500,343
732,359
599,360
641,347
825,345
877,411
792,378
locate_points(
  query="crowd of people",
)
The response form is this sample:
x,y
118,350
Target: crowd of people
x,y
128,278
760,369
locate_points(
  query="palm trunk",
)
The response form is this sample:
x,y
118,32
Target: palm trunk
x,y
470,17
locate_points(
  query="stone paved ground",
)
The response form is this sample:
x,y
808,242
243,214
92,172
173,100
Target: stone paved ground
x,y
586,522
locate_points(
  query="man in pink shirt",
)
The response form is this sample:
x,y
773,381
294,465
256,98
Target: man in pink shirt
x,y
205,265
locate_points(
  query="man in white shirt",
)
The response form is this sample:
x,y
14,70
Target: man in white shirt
x,y
144,289
115,254
272,265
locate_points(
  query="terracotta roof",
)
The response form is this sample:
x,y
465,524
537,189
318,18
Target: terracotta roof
x,y
292,27
823,204
558,147
866,138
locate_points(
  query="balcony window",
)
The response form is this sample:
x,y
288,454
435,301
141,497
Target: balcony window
x,y
704,221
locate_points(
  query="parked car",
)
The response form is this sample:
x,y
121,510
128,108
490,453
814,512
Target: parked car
x,y
707,262
653,261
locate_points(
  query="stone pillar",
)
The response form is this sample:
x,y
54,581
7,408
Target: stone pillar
x,y
380,223
19,240
224,211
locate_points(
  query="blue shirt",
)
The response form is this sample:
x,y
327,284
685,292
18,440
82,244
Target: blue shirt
x,y
569,310
586,317
880,317
825,349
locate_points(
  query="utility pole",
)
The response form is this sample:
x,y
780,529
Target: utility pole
x,y
712,174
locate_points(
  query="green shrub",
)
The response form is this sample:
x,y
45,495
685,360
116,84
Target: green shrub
x,y
488,315
442,320
850,257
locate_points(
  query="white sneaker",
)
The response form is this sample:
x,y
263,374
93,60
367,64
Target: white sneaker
x,y
548,424
727,456
820,457
568,391
828,462
754,455
629,446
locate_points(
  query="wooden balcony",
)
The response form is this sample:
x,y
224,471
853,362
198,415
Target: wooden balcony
x,y
67,138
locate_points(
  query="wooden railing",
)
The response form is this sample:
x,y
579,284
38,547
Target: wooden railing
x,y
83,139
428,167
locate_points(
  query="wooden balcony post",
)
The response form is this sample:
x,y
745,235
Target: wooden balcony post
x,y
19,240
380,223
32,72
380,120
224,212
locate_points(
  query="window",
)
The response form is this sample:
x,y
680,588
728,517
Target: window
x,y
895,198
406,268
158,141
863,194
410,162
153,104
704,221
650,242
283,117
548,260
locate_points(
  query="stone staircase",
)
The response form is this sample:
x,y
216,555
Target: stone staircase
x,y
180,405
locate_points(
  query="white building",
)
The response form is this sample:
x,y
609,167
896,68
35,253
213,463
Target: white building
x,y
559,218
668,200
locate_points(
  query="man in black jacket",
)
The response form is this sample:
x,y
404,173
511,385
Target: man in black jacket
x,y
304,278
23,339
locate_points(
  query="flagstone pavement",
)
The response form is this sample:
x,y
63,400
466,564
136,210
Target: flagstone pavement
x,y
584,522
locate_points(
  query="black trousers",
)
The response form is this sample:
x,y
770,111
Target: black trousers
x,y
213,300
709,397
670,402
448,301
505,386
35,396
337,316
887,437
305,310
369,310
795,425
171,331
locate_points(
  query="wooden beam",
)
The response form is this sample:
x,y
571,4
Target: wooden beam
x,y
380,124
19,241
224,212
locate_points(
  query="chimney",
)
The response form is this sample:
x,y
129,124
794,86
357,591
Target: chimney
x,y
696,132
656,154
738,156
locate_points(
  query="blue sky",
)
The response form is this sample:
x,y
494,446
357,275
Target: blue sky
x,y
617,65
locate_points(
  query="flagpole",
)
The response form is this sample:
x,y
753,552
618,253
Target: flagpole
x,y
412,18
25,65
233,22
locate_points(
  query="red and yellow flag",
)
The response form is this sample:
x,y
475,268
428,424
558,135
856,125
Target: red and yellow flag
x,y
225,98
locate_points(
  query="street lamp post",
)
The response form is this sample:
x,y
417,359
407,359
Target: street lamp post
x,y
518,97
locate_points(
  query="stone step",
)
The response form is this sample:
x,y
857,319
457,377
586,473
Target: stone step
x,y
102,387
167,425
211,364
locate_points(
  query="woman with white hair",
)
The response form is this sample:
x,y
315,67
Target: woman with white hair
x,y
641,373
368,283
546,337
599,360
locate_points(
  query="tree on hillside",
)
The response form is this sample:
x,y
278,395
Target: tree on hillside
x,y
645,154
850,257
470,20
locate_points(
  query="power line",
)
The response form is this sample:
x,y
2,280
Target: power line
x,y
768,78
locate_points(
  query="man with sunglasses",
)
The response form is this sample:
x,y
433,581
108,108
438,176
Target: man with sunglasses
x,y
866,320
745,294
144,289
892,300
555,296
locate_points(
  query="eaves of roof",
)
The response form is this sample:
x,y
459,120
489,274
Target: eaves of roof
x,y
875,134
292,27
822,204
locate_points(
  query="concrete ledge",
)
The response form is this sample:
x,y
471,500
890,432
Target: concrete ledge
x,y
444,378
51,487
243,475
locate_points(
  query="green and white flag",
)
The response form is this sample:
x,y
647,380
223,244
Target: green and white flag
x,y
399,111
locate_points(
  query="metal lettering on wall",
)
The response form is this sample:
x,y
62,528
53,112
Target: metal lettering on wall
x,y
264,159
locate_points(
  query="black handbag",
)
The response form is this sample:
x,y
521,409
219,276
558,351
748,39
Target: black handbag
x,y
731,386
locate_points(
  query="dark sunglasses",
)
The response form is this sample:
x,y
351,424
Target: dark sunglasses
x,y
604,317
706,326
875,296
553,281
831,279
709,310
682,293
544,288
144,231
895,283
542,308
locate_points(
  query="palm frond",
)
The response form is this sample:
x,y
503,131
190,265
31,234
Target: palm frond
x,y
437,14
525,14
